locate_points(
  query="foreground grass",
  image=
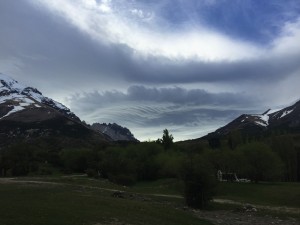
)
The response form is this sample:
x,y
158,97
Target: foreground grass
x,y
79,200
273,197
74,204
164,186
272,194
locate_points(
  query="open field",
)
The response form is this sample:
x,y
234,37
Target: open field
x,y
271,194
65,200
37,201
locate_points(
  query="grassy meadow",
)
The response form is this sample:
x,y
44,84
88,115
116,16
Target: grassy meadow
x,y
271,194
67,201
78,200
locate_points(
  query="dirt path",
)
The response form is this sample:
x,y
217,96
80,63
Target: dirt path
x,y
272,208
222,217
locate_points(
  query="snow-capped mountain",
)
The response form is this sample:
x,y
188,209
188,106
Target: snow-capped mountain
x,y
287,119
114,131
18,97
27,115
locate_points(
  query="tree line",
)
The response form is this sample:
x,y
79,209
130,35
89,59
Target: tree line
x,y
196,165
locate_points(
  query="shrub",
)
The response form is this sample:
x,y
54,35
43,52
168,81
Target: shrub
x,y
199,181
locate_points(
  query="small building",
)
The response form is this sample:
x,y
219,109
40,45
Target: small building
x,y
229,177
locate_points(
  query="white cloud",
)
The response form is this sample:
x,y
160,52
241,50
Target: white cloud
x,y
288,41
107,21
120,22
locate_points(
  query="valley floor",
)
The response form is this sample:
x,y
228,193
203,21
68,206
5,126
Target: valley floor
x,y
78,200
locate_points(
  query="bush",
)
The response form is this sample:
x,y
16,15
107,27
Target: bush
x,y
199,181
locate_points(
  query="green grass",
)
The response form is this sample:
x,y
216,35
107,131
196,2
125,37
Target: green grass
x,y
77,180
273,194
72,204
162,186
266,194
78,200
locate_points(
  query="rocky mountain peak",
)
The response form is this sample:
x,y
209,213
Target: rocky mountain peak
x,y
114,131
27,115
18,97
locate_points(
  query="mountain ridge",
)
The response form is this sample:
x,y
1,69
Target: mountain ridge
x,y
287,119
27,115
20,97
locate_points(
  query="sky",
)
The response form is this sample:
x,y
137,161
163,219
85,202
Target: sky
x,y
190,66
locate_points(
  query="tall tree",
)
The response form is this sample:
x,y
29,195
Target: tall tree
x,y
167,139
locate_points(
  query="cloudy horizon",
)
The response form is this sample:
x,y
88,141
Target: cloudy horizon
x,y
187,65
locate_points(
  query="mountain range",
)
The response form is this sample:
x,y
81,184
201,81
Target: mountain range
x,y
26,114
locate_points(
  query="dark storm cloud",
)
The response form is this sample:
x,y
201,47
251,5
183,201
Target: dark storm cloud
x,y
174,95
260,70
179,95
162,105
155,108
39,49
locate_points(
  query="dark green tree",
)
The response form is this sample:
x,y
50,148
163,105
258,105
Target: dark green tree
x,y
76,160
284,146
19,160
199,181
235,139
261,164
167,139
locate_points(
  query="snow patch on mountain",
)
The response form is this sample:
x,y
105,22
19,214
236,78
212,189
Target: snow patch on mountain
x,y
261,124
15,109
285,113
10,84
264,119
13,93
261,119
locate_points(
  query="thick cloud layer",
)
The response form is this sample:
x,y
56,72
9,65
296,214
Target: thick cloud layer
x,y
181,110
173,63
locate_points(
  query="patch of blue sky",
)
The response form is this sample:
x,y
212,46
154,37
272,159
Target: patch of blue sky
x,y
258,21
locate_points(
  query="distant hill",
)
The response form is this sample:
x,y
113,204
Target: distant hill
x,y
25,114
287,118
255,125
